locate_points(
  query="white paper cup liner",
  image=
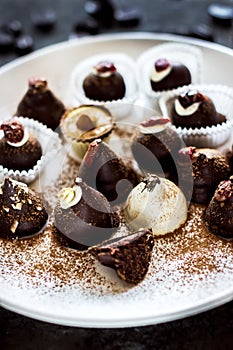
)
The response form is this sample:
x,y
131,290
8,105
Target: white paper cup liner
x,y
50,143
187,54
211,136
125,66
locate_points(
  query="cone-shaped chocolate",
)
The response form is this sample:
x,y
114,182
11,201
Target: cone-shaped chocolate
x,y
102,169
130,256
41,104
22,212
83,217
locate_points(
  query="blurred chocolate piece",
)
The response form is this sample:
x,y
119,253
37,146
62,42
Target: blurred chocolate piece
x,y
221,13
129,256
101,10
87,25
13,27
23,45
128,17
202,31
44,20
6,42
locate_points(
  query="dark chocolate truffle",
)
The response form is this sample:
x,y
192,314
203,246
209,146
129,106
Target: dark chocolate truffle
x,y
209,168
41,104
105,83
102,169
169,75
192,109
83,217
19,149
22,211
130,256
219,213
155,146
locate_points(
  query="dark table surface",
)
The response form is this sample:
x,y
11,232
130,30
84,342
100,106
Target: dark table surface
x,y
208,330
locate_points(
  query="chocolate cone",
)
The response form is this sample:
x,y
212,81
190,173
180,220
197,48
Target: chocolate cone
x,y
41,104
86,223
130,256
102,169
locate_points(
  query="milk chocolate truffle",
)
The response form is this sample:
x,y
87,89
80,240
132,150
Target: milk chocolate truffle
x,y
22,211
219,213
40,103
209,168
103,169
168,75
129,256
19,149
83,217
192,109
155,146
104,83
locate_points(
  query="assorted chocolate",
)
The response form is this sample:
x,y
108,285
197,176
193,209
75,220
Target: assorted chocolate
x,y
110,192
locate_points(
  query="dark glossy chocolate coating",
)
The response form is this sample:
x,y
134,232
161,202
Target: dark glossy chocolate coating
x,y
104,88
206,115
22,213
178,76
41,104
20,158
157,150
209,168
219,213
102,169
87,223
130,256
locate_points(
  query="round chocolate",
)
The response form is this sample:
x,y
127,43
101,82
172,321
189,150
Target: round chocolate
x,y
86,222
179,75
14,156
105,84
203,115
41,104
22,211
219,213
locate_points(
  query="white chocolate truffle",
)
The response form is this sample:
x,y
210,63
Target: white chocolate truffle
x,y
156,203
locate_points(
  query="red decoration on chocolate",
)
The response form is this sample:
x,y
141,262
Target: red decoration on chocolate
x,y
105,67
13,131
161,64
187,98
155,121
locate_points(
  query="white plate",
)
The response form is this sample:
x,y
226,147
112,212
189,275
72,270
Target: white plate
x,y
165,295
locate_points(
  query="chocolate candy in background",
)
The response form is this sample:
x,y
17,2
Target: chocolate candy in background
x,y
128,17
221,14
101,10
44,20
24,44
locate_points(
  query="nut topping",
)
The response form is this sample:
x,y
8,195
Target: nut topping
x,y
224,190
70,196
85,123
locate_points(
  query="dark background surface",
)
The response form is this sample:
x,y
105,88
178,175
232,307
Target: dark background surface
x,y
208,330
